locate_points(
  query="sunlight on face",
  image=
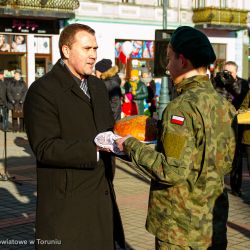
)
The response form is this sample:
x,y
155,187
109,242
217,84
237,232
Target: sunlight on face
x,y
173,65
81,56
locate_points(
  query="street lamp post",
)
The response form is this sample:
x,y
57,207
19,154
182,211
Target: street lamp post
x,y
164,92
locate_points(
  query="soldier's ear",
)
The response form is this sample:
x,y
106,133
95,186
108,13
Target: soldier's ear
x,y
184,60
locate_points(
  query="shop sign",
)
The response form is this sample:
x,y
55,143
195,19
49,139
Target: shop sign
x,y
15,25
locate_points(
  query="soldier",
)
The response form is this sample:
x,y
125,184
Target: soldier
x,y
188,206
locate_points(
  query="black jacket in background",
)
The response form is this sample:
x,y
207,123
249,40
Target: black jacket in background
x,y
112,82
3,92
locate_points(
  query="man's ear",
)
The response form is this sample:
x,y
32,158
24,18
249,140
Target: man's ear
x,y
184,61
66,51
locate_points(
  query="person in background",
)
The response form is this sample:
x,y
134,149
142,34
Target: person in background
x,y
232,67
243,88
3,98
109,75
16,93
129,107
64,110
150,83
123,82
226,86
3,116
188,204
139,90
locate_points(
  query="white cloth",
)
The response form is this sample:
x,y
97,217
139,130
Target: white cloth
x,y
107,140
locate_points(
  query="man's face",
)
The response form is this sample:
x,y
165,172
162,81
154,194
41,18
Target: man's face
x,y
82,54
231,69
17,76
173,65
1,76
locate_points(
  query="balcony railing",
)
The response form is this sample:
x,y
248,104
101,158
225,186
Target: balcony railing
x,y
233,18
51,9
61,5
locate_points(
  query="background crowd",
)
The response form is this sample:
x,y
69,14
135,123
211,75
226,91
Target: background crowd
x,y
138,95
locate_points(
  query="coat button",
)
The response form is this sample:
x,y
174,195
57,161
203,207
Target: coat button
x,y
106,192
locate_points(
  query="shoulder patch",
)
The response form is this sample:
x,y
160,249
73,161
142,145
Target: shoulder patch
x,y
173,145
175,119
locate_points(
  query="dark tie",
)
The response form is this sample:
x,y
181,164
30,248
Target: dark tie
x,y
84,87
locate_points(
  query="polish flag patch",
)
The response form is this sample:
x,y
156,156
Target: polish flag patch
x,y
175,119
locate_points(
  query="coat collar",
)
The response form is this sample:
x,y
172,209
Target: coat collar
x,y
67,81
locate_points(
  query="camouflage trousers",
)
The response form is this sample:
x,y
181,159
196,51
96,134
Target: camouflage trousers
x,y
163,245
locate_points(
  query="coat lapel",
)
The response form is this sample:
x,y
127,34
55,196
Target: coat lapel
x,y
67,82
76,89
99,98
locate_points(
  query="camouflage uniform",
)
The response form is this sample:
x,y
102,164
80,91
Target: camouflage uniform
x,y
188,205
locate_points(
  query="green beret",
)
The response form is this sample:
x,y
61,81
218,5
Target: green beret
x,y
194,45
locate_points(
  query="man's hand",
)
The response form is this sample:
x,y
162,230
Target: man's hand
x,y
119,142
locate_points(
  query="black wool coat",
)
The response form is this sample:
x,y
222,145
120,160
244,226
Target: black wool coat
x,y
75,197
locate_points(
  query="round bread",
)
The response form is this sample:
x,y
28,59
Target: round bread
x,y
142,127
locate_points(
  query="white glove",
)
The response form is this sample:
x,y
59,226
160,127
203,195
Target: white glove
x,y
106,140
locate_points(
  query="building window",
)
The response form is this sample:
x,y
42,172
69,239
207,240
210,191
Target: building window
x,y
13,48
199,4
42,45
221,55
128,1
223,4
141,53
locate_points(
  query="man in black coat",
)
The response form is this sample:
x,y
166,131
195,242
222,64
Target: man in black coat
x,y
64,110
16,92
3,113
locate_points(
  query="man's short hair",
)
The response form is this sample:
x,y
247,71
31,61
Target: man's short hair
x,y
67,36
232,63
18,71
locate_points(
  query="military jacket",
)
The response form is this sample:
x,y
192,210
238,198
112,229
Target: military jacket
x,y
196,147
246,127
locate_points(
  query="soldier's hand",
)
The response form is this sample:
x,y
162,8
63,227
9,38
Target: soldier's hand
x,y
119,142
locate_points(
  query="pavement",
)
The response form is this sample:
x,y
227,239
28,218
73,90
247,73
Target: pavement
x,y
18,201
